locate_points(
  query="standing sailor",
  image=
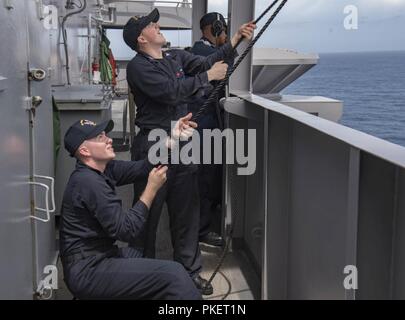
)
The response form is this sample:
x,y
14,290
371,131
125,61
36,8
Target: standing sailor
x,y
163,83
214,35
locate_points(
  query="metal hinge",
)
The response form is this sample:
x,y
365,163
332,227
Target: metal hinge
x,y
8,4
36,74
40,9
3,83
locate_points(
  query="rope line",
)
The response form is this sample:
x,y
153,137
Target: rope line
x,y
214,94
213,97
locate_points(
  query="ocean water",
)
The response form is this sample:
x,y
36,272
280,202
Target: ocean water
x,y
371,86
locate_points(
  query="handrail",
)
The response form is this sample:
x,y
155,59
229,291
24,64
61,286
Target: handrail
x,y
52,190
380,148
48,216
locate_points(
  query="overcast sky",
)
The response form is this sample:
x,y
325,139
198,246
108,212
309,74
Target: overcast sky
x,y
318,25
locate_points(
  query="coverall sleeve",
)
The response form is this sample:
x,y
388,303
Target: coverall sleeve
x,y
119,224
127,172
194,64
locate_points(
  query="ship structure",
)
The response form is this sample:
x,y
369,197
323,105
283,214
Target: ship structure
x,y
320,217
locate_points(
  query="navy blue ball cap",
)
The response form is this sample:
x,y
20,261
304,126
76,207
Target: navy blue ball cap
x,y
134,26
210,18
83,130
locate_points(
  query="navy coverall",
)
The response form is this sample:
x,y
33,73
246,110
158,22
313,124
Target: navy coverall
x,y
162,89
92,220
209,175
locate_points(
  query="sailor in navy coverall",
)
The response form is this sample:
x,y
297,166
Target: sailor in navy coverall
x,y
93,219
163,83
214,28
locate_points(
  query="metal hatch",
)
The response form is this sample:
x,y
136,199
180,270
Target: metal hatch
x,y
79,97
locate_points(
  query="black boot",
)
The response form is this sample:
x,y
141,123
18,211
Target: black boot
x,y
203,285
212,239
